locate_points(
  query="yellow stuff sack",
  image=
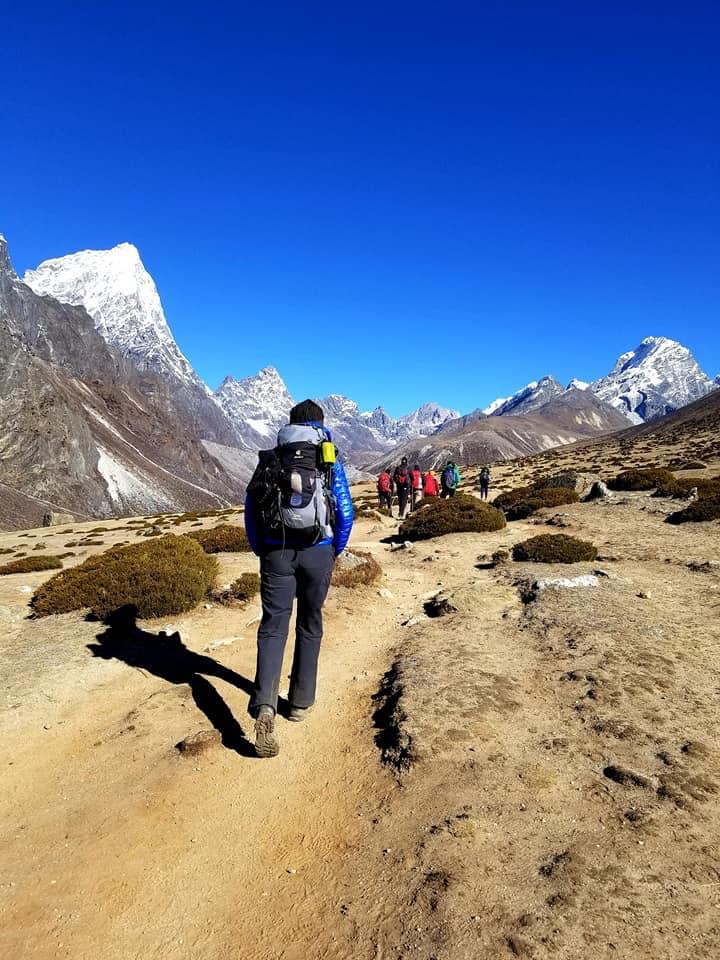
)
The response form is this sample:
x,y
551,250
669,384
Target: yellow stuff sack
x,y
328,454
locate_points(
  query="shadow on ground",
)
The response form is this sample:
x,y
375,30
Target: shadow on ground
x,y
167,657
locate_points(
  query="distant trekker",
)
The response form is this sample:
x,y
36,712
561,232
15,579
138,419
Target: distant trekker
x,y
431,488
298,518
384,489
417,486
484,481
403,482
450,479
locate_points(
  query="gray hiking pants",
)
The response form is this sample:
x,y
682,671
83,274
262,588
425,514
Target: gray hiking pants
x,y
284,575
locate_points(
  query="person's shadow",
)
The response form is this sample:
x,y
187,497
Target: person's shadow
x,y
167,657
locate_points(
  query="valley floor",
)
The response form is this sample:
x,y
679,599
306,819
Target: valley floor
x,y
522,778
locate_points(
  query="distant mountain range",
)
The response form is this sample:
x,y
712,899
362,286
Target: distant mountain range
x,y
101,412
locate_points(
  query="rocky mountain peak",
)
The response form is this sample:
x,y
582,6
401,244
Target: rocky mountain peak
x,y
530,397
660,375
121,297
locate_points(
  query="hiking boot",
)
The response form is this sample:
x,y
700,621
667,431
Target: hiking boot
x,y
266,741
298,714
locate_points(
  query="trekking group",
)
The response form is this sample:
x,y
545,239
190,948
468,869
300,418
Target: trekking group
x,y
411,486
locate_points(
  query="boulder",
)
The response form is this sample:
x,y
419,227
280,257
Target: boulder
x,y
54,519
598,491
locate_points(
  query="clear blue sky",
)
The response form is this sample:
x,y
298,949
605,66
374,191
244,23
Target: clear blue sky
x,y
395,201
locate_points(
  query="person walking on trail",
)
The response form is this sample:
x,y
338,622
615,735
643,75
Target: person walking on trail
x,y
403,484
484,481
384,488
430,485
298,518
449,479
417,486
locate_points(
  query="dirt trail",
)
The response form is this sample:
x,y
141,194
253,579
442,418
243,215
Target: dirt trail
x,y
115,843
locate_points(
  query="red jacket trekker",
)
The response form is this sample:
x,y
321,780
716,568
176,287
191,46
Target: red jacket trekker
x,y
417,483
431,487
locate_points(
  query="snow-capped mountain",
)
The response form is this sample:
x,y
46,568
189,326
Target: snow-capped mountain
x,y
420,423
578,384
121,297
658,376
257,406
119,294
532,396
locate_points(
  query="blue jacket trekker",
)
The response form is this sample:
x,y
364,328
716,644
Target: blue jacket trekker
x,y
343,516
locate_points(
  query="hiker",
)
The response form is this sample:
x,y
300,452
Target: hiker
x,y
417,486
384,488
449,480
298,518
402,481
484,481
430,485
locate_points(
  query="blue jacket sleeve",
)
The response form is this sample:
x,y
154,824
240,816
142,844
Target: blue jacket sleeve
x,y
250,525
343,501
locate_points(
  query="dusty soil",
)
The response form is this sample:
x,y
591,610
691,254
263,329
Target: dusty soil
x,y
522,777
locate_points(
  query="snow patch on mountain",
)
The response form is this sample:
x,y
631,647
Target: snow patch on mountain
x,y
530,397
121,297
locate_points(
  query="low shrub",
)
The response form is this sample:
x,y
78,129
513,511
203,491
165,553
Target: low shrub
x,y
160,577
545,497
40,546
500,556
508,499
699,511
241,590
566,479
554,548
31,565
682,485
226,538
4,550
459,514
649,478
356,569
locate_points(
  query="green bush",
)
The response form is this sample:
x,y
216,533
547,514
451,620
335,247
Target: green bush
x,y
699,511
225,538
546,497
160,577
567,479
459,514
554,548
649,478
31,565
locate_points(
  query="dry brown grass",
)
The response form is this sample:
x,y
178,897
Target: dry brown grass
x,y
363,574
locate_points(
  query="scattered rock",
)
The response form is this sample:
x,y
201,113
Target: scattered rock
x,y
53,519
413,621
598,491
644,595
405,545
566,583
438,607
214,644
627,777
706,566
198,743
385,593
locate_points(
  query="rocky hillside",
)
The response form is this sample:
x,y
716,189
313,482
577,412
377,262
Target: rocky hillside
x,y
82,429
